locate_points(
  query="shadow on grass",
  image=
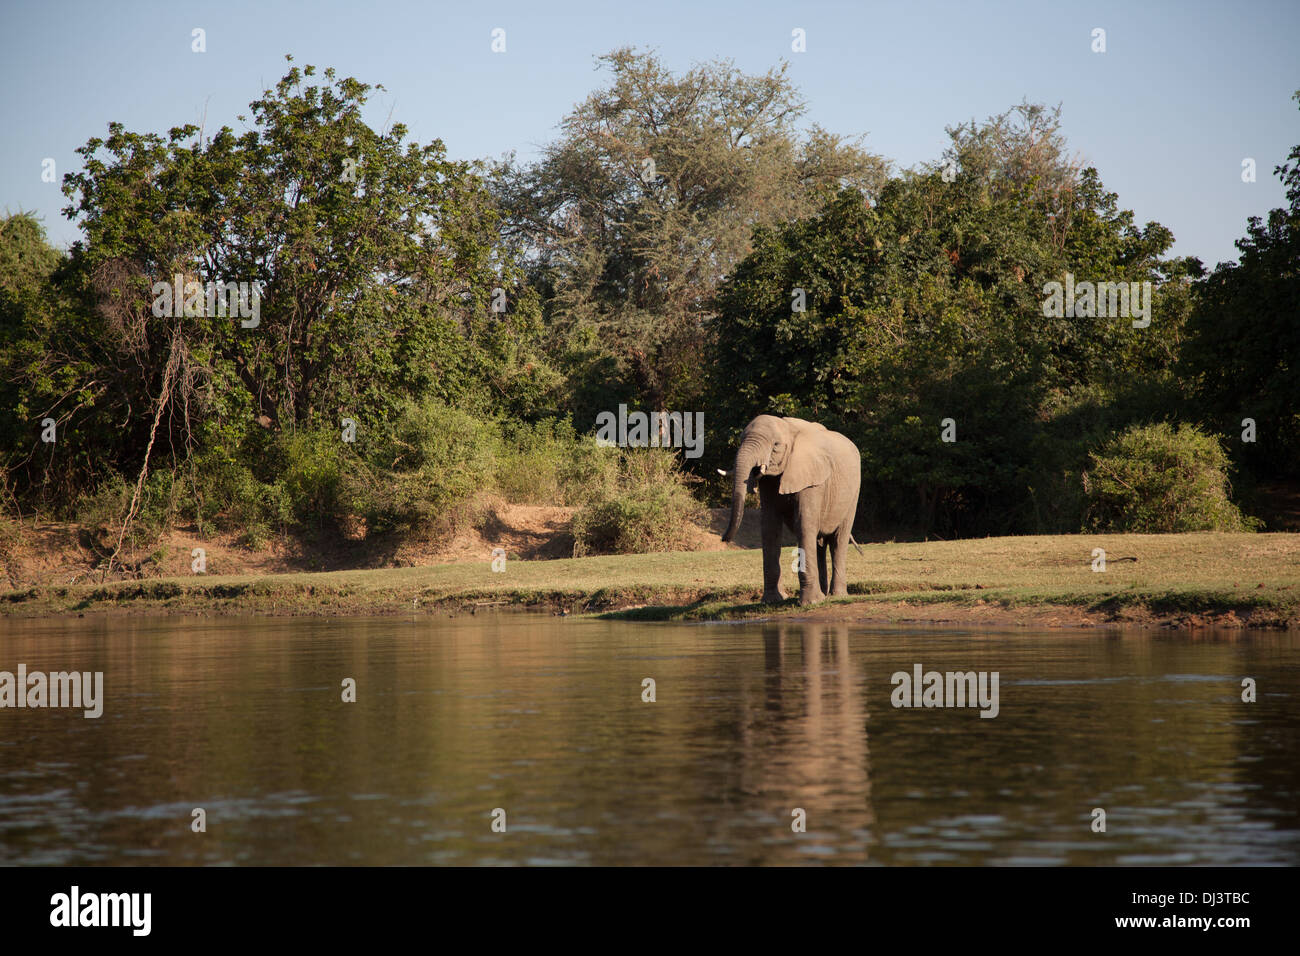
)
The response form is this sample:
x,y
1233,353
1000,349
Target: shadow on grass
x,y
715,607
714,610
702,610
1193,602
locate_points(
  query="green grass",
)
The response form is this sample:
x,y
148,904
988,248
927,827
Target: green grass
x,y
1173,574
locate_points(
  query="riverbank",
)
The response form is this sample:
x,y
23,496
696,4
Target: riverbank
x,y
1191,580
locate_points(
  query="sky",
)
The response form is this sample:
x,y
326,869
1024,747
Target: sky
x,y
1184,92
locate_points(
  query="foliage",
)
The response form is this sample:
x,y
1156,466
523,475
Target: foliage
x,y
549,463
225,494
375,259
887,319
316,469
421,474
651,509
1156,479
645,202
1243,346
102,511
1078,421
681,244
55,363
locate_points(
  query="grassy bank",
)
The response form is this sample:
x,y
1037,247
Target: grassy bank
x,y
1192,579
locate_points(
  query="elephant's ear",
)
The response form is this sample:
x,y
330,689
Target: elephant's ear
x,y
809,464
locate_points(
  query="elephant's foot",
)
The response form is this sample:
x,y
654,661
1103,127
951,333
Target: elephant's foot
x,y
807,598
773,597
839,590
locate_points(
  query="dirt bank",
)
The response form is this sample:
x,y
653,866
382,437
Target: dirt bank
x,y
51,554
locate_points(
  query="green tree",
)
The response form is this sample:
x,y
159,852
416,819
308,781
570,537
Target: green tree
x,y
647,200
375,256
887,317
381,281
55,362
1243,346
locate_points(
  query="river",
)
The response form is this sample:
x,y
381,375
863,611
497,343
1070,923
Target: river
x,y
531,739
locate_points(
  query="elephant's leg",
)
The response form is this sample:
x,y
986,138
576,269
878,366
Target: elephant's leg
x,y
821,564
809,515
810,590
772,592
839,559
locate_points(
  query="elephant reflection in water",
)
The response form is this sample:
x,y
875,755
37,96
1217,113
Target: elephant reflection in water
x,y
803,739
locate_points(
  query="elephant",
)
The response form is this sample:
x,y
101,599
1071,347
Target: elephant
x,y
808,478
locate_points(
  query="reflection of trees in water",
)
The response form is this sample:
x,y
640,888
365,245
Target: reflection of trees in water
x,y
244,718
1268,736
803,741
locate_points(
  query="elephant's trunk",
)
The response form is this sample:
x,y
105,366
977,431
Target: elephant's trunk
x,y
747,458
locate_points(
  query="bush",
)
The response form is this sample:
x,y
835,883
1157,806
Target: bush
x,y
1154,479
315,463
649,509
532,460
1076,422
591,472
229,496
103,510
433,471
548,463
427,471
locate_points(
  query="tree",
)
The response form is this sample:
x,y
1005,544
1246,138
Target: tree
x,y
373,263
647,200
888,317
47,340
374,257
1243,345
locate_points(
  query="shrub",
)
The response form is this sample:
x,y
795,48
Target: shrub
x,y
1155,479
229,496
425,473
103,510
649,509
592,471
1076,422
531,461
315,463
548,463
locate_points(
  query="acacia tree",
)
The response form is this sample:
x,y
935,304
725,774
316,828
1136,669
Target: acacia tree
x,y
647,200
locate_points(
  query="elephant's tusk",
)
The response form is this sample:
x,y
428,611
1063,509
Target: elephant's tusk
x,y
722,473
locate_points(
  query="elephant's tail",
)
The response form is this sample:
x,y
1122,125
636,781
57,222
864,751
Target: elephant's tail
x,y
856,545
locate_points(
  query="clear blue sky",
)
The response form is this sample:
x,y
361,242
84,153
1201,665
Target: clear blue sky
x,y
1184,91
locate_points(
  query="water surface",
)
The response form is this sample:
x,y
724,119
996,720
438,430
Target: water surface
x,y
544,718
